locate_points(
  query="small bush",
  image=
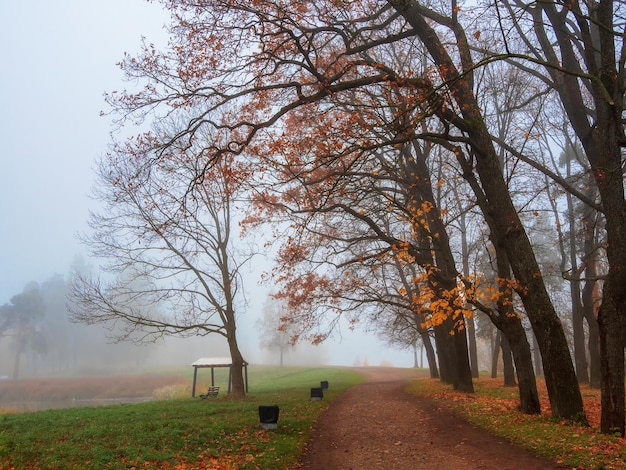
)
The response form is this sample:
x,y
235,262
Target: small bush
x,y
172,392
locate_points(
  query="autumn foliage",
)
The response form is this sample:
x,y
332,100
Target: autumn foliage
x,y
364,132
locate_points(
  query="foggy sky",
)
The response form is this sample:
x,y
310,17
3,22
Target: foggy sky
x,y
58,58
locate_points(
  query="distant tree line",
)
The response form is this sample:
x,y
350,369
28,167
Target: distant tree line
x,y
38,338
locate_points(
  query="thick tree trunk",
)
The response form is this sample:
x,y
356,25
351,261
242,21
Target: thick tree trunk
x,y
613,309
601,134
445,354
511,325
238,388
463,376
610,321
506,319
562,384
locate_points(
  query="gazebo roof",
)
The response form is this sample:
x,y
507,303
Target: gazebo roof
x,y
225,361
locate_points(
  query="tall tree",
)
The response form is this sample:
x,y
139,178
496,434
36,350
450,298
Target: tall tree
x,y
465,114
580,46
170,250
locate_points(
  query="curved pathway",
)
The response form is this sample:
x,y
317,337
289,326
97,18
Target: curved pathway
x,y
377,425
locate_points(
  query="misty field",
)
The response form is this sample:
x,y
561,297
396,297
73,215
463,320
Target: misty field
x,y
42,393
179,432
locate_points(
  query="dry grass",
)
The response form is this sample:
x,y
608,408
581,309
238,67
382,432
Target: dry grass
x,y
494,407
83,388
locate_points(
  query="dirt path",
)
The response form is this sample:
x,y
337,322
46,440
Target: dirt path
x,y
377,425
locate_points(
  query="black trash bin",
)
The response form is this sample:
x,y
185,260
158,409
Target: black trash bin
x,y
317,393
268,416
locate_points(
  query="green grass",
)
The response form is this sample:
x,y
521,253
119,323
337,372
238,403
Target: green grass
x,y
184,432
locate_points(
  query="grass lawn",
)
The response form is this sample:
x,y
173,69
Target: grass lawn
x,y
179,432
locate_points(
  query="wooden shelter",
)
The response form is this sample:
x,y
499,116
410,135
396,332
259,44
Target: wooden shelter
x,y
212,363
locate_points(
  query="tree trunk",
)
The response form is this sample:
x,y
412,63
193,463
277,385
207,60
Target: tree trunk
x,y
506,319
473,348
507,363
590,301
238,386
527,385
445,353
471,326
580,350
511,325
495,354
610,320
561,382
613,308
580,356
431,357
463,374
608,175
537,357
442,275
595,370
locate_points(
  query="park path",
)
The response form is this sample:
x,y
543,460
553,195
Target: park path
x,y
377,425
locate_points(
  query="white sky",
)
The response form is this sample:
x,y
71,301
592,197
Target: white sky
x,y
57,60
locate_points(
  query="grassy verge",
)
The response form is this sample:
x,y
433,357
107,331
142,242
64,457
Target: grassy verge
x,y
494,407
178,433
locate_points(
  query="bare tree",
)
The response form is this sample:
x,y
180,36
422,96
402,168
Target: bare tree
x,y
274,332
169,251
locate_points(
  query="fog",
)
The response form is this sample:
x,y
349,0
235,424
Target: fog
x,y
58,60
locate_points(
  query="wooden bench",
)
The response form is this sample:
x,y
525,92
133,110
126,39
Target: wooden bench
x,y
211,392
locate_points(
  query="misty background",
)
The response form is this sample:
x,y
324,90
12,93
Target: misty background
x,y
58,59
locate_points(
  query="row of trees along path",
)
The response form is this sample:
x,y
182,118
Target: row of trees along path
x,y
380,139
